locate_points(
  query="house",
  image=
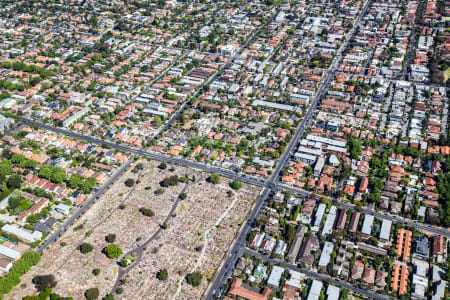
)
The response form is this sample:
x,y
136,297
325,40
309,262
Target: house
x,y
10,253
421,247
404,243
369,275
438,247
318,217
340,225
385,230
357,270
380,279
275,277
314,290
63,208
22,234
237,290
399,279
329,221
353,226
333,292
326,254
297,242
307,250
367,225
319,166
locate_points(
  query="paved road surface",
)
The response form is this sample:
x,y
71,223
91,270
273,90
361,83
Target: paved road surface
x,y
83,208
319,276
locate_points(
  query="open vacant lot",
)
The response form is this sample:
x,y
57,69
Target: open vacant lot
x,y
198,234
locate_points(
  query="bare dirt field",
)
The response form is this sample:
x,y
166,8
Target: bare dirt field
x,y
199,233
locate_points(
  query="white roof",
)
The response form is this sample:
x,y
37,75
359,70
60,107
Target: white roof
x,y
314,291
22,233
385,229
326,254
329,222
333,292
63,208
8,252
367,225
295,279
318,217
275,276
325,140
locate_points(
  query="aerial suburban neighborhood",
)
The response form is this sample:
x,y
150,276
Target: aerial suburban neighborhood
x,y
197,149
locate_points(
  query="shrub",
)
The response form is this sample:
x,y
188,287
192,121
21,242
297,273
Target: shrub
x,y
108,297
91,293
96,271
194,279
43,282
85,248
162,166
162,274
129,182
110,238
146,212
170,181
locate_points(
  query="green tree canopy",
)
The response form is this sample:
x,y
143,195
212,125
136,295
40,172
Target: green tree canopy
x,y
113,251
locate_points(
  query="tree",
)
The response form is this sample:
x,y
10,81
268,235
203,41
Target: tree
x,y
5,167
113,251
91,293
344,295
88,184
354,146
20,267
75,181
45,171
162,166
43,282
108,297
96,271
85,248
289,232
15,181
58,175
157,121
110,238
214,178
162,274
235,185
129,182
194,279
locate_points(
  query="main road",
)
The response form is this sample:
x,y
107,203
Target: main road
x,y
239,245
269,185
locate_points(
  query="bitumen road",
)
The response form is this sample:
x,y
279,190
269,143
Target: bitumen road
x,y
239,245
367,292
83,208
269,185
